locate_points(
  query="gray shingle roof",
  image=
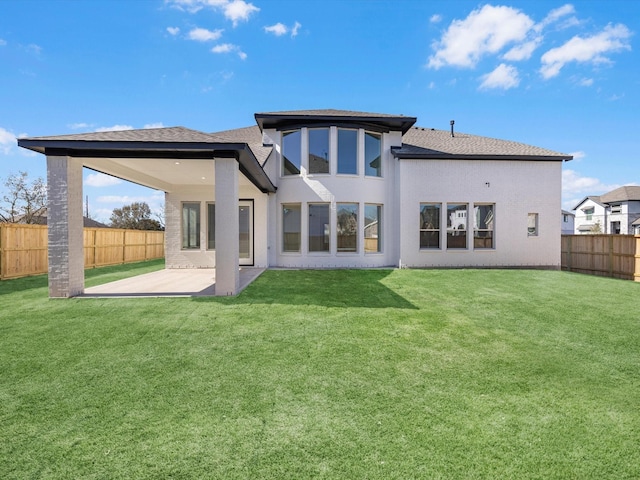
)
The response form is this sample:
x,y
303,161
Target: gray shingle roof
x,y
622,194
430,143
252,136
162,135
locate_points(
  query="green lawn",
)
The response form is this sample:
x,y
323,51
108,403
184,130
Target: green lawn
x,y
369,374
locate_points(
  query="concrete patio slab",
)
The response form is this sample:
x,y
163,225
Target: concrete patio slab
x,y
188,282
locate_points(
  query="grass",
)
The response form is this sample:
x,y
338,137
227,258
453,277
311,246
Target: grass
x,y
390,374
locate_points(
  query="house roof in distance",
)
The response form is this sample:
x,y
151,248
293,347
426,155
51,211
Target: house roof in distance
x,y
383,122
623,194
429,143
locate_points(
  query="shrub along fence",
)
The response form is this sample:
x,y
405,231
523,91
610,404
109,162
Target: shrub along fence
x,y
23,248
616,256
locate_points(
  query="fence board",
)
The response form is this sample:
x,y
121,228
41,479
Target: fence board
x,y
23,248
615,256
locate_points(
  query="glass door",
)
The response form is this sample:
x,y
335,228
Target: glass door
x,y
246,232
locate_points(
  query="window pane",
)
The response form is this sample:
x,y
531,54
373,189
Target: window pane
x,y
372,228
372,155
457,225
291,156
532,225
211,226
319,229
291,228
319,150
190,225
348,151
347,226
429,225
483,220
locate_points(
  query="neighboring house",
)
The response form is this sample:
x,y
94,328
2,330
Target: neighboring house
x,y
617,212
568,223
318,189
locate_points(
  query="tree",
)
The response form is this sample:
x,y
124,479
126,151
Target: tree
x,y
24,201
136,216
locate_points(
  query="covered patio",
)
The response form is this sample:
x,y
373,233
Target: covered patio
x,y
190,282
165,159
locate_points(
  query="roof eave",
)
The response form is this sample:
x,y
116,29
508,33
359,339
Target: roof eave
x,y
277,121
453,156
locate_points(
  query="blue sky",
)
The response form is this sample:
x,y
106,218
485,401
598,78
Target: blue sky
x,y
563,76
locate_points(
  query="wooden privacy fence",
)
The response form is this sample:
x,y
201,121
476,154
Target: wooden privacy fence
x,y
23,248
616,256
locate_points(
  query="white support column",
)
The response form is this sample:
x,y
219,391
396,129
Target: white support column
x,y
227,227
65,227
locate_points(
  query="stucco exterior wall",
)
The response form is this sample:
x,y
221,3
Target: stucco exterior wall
x,y
517,188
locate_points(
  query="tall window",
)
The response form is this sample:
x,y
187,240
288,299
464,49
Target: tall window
x,y
347,226
532,225
211,226
291,227
429,225
589,213
347,151
372,155
291,152
483,223
456,225
319,229
319,150
190,225
372,228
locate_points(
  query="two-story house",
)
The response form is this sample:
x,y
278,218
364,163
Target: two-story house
x,y
617,212
317,189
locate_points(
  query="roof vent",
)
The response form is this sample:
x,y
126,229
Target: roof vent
x,y
451,123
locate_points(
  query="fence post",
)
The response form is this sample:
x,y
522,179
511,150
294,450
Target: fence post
x,y
569,252
611,256
636,273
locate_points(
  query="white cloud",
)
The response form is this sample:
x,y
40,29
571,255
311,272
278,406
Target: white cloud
x,y
591,49
33,48
586,82
114,128
577,156
523,51
280,29
237,10
204,35
229,48
2,42
436,18
575,185
173,31
234,10
296,29
101,180
484,31
504,77
7,141
555,15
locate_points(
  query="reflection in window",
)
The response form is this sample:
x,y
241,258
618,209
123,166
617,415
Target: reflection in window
x,y
211,226
532,225
347,151
291,156
190,225
319,229
456,225
372,228
372,155
483,223
319,150
347,226
291,227
429,225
